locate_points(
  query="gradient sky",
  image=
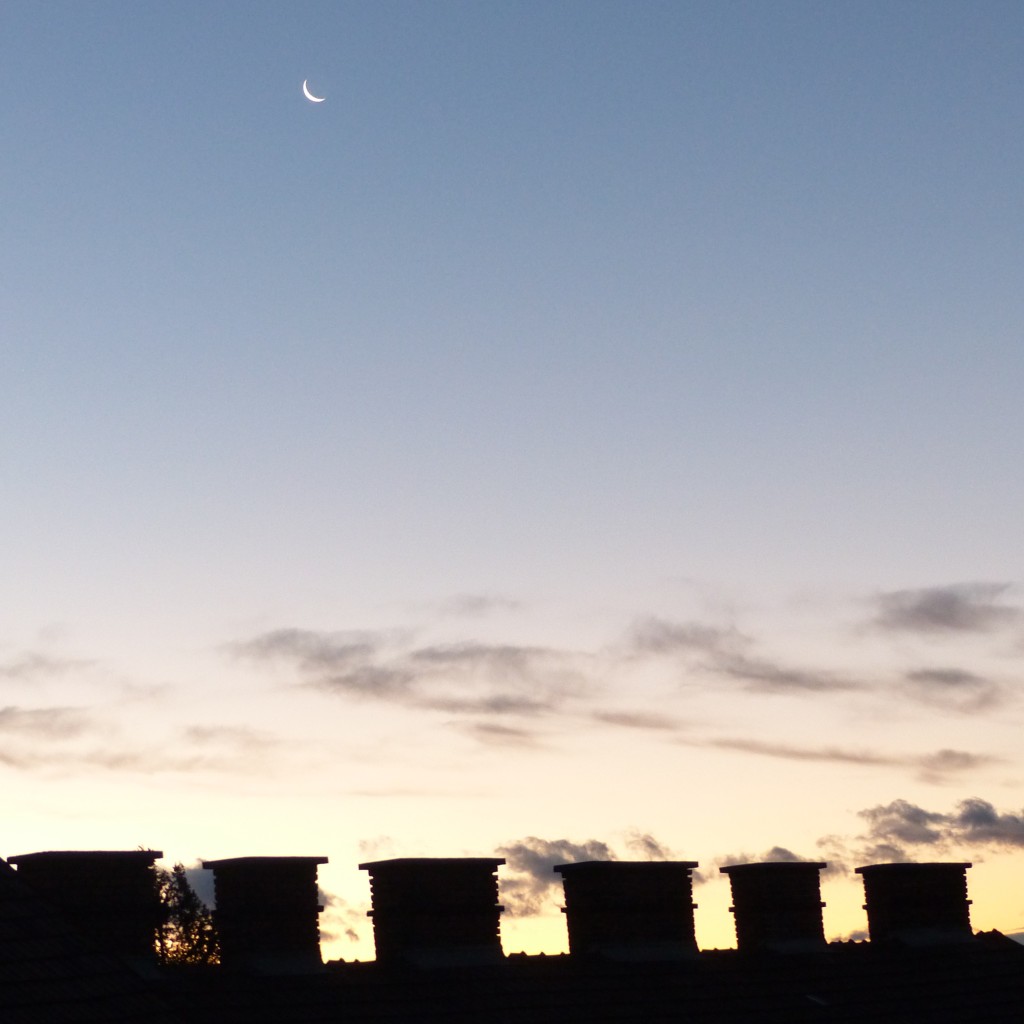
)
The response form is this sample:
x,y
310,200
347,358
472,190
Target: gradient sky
x,y
595,423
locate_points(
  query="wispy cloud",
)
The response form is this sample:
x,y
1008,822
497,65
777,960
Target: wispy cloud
x,y
478,605
937,767
652,720
61,741
956,608
230,737
61,762
312,650
496,734
953,689
468,678
933,767
768,677
30,667
789,752
655,636
48,723
726,652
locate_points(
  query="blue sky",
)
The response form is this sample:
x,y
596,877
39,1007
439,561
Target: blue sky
x,y
555,325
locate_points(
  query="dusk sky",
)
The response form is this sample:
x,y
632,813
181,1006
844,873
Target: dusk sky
x,y
596,429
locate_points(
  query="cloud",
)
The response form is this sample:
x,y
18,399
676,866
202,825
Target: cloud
x,y
645,847
495,704
32,666
529,879
528,882
63,762
381,682
768,677
904,823
723,652
776,855
312,651
502,661
933,767
654,636
478,605
468,678
900,830
17,760
946,678
638,720
957,608
954,689
45,740
377,848
649,848
495,734
794,753
977,821
48,723
237,738
491,678
340,919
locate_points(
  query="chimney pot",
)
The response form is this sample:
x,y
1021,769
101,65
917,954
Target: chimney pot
x,y
917,903
435,911
267,913
777,905
629,910
107,896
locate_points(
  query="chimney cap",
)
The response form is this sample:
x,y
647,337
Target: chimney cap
x,y
147,856
259,861
493,862
909,866
598,865
773,864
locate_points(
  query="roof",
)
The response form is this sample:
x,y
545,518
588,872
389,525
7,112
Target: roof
x,y
845,983
51,975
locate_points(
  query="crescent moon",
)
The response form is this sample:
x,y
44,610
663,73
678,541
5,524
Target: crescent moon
x,y
309,96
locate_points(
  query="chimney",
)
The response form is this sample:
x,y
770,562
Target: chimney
x,y
629,910
777,906
435,911
108,897
267,913
918,904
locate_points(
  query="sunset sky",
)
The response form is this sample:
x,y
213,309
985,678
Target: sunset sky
x,y
595,430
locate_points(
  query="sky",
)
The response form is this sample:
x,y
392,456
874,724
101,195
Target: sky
x,y
595,430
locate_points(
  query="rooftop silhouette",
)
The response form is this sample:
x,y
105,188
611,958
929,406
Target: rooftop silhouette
x,y
77,944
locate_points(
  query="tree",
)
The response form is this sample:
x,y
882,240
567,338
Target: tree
x,y
187,934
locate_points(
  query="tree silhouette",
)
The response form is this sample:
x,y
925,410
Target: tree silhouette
x,y
187,934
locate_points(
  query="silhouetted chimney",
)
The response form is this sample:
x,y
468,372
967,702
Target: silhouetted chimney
x,y
777,905
629,910
267,913
109,897
435,911
917,903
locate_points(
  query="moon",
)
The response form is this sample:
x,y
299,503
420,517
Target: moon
x,y
309,96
